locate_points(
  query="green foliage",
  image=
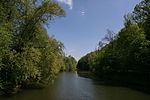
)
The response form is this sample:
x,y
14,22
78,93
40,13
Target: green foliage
x,y
70,64
28,56
126,57
142,16
87,63
141,11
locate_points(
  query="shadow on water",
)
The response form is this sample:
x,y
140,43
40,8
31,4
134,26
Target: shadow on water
x,y
113,83
70,86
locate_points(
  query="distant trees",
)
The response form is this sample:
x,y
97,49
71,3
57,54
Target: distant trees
x,y
127,55
28,56
70,64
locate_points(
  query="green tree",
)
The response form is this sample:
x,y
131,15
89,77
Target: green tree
x,y
127,54
70,63
28,56
141,16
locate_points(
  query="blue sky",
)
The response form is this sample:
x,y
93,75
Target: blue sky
x,y
87,21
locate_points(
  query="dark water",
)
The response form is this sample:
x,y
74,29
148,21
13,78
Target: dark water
x,y
70,86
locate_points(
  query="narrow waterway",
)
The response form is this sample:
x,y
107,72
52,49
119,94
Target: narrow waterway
x,y
70,86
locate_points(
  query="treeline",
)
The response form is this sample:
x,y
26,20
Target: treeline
x,y
126,56
70,64
29,58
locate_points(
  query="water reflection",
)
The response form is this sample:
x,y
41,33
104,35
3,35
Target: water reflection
x,y
70,86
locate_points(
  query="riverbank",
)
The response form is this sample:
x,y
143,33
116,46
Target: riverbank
x,y
9,92
70,86
135,85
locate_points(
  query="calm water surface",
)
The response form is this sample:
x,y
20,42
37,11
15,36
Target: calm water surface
x,y
70,86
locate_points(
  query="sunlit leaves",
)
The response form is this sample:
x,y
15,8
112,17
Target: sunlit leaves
x,y
28,56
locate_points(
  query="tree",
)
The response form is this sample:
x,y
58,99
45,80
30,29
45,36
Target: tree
x,y
141,16
109,36
128,20
70,63
126,56
100,44
28,56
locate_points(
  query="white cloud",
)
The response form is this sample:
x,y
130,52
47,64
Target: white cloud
x,y
68,2
82,11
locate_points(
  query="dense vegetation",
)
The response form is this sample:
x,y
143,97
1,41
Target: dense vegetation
x,y
70,64
125,56
28,56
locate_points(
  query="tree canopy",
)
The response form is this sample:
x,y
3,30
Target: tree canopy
x,y
126,57
28,56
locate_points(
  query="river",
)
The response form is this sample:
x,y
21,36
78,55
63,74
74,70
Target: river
x,y
70,86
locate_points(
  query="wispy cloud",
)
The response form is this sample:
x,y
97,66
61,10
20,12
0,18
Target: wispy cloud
x,y
83,12
68,2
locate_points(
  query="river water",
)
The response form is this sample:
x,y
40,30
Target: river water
x,y
70,86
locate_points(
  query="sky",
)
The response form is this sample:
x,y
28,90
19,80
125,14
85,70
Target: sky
x,y
86,23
